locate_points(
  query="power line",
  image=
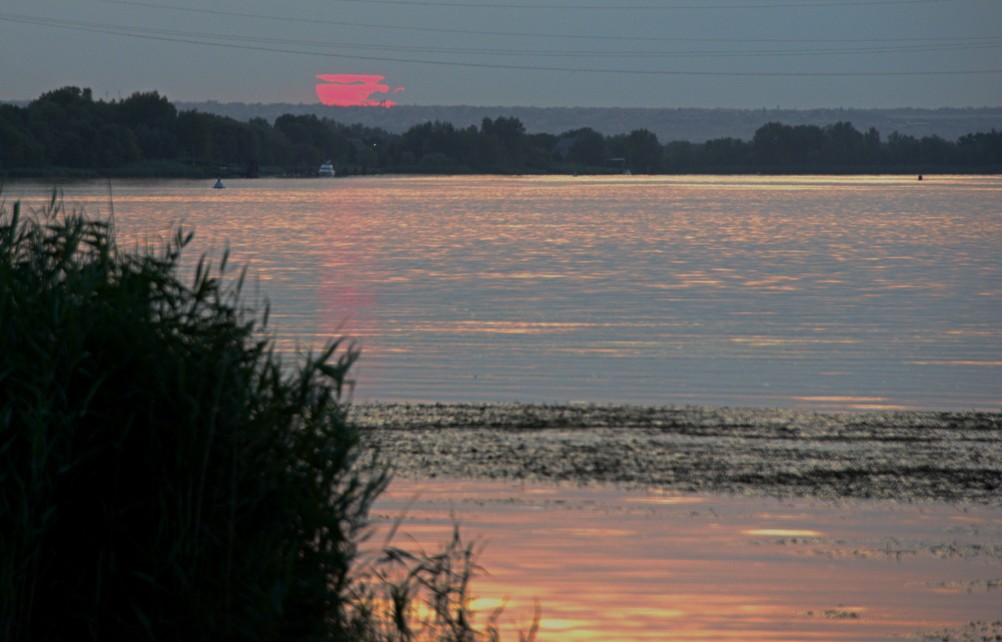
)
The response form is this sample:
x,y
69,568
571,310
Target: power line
x,y
547,36
207,38
644,7
240,42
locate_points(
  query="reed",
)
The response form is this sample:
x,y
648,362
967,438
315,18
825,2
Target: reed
x,y
410,595
164,475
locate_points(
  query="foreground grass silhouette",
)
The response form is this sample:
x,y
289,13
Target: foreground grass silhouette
x,y
163,475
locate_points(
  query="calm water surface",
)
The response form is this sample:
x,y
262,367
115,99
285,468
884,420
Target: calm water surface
x,y
817,292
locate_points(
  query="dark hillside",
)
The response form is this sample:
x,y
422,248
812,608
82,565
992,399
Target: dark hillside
x,y
693,125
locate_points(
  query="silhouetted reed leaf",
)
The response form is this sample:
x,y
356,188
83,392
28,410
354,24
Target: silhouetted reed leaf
x,y
163,475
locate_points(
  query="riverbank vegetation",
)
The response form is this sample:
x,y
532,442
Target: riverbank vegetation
x,y
164,475
66,132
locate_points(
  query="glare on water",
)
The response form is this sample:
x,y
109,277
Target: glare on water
x,y
817,292
616,564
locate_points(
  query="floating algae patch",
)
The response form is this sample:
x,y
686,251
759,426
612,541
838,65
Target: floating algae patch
x,y
907,456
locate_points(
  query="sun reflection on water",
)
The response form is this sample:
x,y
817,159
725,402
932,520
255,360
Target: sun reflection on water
x,y
782,532
615,564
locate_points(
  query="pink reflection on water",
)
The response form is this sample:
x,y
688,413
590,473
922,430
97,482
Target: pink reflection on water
x,y
616,289
353,90
346,300
615,564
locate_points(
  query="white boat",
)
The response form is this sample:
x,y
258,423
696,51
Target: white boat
x,y
327,169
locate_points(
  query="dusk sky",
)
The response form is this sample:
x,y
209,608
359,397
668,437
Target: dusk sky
x,y
546,53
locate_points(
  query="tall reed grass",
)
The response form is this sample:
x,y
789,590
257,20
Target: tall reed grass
x,y
416,596
163,475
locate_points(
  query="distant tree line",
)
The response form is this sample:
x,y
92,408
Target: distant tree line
x,y
67,132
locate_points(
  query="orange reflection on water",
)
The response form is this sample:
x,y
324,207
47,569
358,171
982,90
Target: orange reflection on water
x,y
968,362
846,402
783,532
615,564
878,291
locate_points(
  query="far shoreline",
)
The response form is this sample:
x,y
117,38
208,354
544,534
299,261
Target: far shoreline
x,y
182,173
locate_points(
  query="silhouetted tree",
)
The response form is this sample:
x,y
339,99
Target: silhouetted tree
x,y
982,148
933,150
18,148
843,145
588,148
507,136
308,131
67,128
194,133
641,149
682,156
783,146
154,120
726,152
902,149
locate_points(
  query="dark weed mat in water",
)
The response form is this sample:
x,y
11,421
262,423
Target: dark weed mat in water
x,y
907,456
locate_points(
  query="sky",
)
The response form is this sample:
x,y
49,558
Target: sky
x,y
790,54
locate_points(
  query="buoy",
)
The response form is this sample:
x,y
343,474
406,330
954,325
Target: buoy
x,y
219,184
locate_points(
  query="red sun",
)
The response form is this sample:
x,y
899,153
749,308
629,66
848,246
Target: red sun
x,y
353,90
